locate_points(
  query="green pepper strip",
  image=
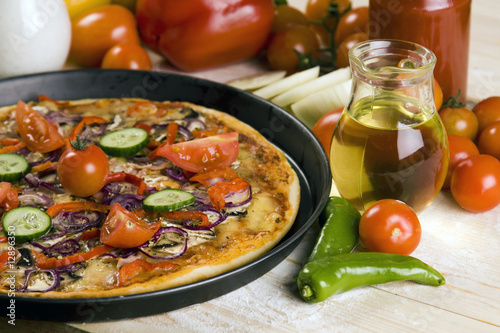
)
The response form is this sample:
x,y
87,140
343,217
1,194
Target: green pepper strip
x,y
339,233
325,277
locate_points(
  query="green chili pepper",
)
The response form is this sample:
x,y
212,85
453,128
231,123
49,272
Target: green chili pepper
x,y
339,233
322,278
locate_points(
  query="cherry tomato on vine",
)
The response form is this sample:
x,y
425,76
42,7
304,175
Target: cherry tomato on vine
x,y
283,47
345,46
324,127
287,16
487,111
354,21
97,30
82,170
390,226
475,183
459,121
127,56
460,148
320,11
489,140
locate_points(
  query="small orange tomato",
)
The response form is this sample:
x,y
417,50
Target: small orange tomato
x,y
438,95
390,226
354,21
345,46
319,12
287,16
97,30
127,56
460,148
487,111
489,140
459,121
324,127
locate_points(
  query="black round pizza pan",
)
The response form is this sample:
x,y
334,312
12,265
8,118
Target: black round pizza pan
x,y
303,150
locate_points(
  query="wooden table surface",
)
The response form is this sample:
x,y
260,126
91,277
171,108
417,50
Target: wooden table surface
x,y
464,247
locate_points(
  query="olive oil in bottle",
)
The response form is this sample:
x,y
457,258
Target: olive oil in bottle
x,y
389,146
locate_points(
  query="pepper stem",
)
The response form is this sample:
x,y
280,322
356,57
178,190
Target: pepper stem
x,y
306,291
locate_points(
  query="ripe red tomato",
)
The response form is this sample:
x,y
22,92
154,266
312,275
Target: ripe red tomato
x,y
36,132
342,59
319,12
97,30
460,148
324,127
83,172
210,152
487,111
200,34
124,229
459,121
4,189
287,16
127,56
390,226
283,47
475,183
489,140
354,21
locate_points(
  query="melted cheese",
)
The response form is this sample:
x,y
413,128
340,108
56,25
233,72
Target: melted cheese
x,y
99,274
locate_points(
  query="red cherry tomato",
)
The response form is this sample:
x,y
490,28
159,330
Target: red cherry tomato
x,y
324,127
460,148
83,172
124,229
127,56
342,59
487,111
489,140
287,16
211,152
390,226
200,34
283,47
459,121
354,21
36,132
97,30
475,183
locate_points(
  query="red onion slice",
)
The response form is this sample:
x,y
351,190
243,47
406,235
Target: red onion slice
x,y
37,183
240,198
215,217
148,247
55,283
35,200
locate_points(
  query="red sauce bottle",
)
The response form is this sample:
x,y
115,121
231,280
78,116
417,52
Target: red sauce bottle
x,y
443,26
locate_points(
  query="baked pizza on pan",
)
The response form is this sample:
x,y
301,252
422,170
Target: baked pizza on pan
x,y
112,197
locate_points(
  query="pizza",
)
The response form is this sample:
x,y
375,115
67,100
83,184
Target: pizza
x,y
111,197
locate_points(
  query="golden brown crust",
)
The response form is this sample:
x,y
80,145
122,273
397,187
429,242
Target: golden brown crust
x,y
276,201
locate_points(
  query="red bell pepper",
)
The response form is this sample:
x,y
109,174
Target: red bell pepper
x,y
200,34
